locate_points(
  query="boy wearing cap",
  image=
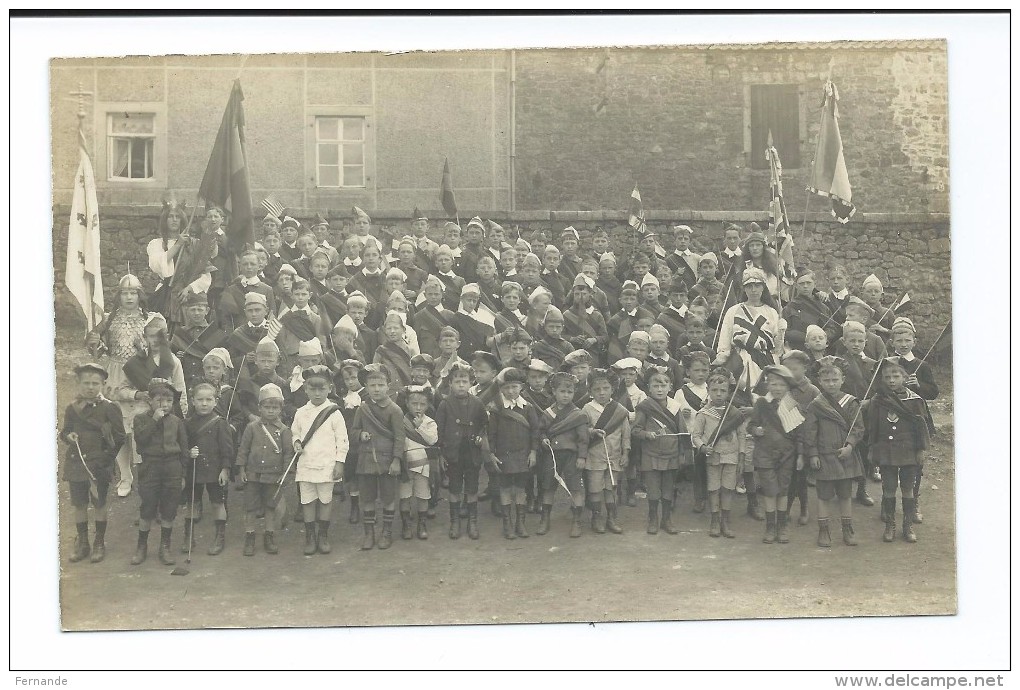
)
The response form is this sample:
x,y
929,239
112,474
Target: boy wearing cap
x,y
162,442
425,247
872,292
508,321
195,337
319,436
511,425
803,392
461,420
658,355
289,230
488,284
683,262
449,344
321,230
570,266
244,339
234,299
407,258
452,282
371,282
775,427
260,372
673,317
584,326
431,316
379,426
93,428
421,435
333,302
272,243
472,251
805,309
366,340
564,432
352,394
552,347
211,452
650,292
858,310
608,451
665,447
476,332
707,283
624,322
898,426
609,283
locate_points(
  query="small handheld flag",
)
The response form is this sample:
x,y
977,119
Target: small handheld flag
x,y
446,196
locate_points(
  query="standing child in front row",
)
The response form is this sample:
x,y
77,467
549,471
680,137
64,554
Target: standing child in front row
x,y
94,429
803,391
514,445
897,420
773,426
379,425
608,452
353,395
422,434
832,428
162,441
320,437
629,394
262,457
665,447
564,432
211,443
719,433
461,421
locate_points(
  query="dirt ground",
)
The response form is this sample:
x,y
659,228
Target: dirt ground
x,y
633,576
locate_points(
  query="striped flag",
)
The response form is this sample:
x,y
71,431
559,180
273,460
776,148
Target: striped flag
x,y
82,273
789,413
636,211
446,196
778,217
829,177
273,207
226,176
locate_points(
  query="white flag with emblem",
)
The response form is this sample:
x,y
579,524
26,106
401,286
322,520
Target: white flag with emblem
x,y
82,274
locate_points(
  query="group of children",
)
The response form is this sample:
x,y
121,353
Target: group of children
x,y
462,360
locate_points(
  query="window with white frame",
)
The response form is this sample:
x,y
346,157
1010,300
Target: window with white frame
x,y
339,152
131,146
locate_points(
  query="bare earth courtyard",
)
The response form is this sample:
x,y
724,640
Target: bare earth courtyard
x,y
632,576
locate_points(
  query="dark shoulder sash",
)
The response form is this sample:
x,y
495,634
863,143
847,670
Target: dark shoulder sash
x,y
612,417
319,420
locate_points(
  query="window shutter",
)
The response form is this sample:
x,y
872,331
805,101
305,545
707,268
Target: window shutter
x,y
775,108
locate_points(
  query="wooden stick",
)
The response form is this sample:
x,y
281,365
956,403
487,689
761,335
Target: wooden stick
x,y
279,486
722,315
878,366
93,489
723,418
609,464
932,348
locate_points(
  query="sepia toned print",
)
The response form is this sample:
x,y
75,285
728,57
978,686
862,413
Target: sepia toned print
x,y
594,334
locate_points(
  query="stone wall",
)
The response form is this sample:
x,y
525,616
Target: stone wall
x,y
593,123
908,252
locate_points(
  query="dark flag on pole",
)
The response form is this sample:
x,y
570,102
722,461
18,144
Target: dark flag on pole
x,y
829,177
446,191
226,176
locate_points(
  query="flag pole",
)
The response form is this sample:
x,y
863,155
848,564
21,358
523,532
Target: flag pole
x,y
894,305
936,342
90,283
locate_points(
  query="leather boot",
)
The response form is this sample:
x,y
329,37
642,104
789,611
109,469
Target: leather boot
x,y
889,511
848,531
753,507
311,539
322,543
472,529
355,515
520,529
917,518
269,543
715,527
597,526
386,537
464,512
249,544
81,543
496,506
770,528
406,528
862,494
653,517
368,521
165,534
219,539
724,525
908,520
667,518
99,543
454,520
611,524
543,522
575,522
782,526
508,531
142,550
189,535
423,530
824,538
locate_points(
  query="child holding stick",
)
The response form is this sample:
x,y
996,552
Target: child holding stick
x,y
608,451
564,432
512,422
719,432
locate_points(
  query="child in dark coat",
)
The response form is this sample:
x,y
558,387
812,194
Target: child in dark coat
x,y
211,444
461,421
803,391
564,432
162,441
665,447
94,431
514,446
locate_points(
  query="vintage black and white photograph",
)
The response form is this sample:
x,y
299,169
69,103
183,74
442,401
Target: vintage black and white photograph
x,y
624,334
